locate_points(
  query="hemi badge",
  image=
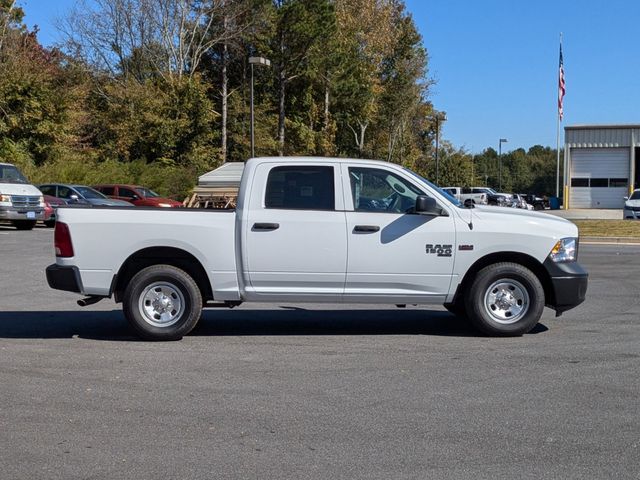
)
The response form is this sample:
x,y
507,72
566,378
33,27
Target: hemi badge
x,y
465,247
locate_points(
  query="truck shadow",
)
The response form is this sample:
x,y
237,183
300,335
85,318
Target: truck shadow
x,y
112,326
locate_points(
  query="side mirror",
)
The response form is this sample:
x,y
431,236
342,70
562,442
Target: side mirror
x,y
135,197
626,198
427,206
74,198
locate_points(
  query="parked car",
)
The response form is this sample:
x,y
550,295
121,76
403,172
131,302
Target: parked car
x,y
137,195
632,206
322,230
518,201
538,203
80,194
493,197
466,195
21,204
50,206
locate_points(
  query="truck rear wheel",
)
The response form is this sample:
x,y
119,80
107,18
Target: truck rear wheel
x,y
24,224
505,299
162,302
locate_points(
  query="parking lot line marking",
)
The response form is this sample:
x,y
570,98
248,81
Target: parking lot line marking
x,y
610,243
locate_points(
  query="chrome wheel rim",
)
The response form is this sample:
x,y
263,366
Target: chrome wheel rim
x,y
161,304
506,301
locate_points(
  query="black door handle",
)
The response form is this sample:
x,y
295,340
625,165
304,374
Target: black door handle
x,y
366,228
265,227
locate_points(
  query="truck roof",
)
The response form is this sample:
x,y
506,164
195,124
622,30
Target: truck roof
x,y
229,174
318,159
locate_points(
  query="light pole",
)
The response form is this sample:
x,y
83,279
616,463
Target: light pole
x,y
255,61
440,116
502,140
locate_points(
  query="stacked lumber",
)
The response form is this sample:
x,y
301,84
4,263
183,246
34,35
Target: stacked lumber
x,y
215,198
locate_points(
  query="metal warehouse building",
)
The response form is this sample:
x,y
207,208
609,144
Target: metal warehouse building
x,y
600,165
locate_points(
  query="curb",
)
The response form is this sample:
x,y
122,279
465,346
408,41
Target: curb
x,y
610,240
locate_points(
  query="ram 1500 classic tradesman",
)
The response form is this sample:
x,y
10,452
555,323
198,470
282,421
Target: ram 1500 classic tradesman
x,y
321,230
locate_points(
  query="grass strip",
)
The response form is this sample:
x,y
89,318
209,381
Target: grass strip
x,y
608,228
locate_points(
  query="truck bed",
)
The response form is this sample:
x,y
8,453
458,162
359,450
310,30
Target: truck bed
x,y
117,234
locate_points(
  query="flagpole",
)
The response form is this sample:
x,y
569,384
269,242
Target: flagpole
x,y
558,159
558,150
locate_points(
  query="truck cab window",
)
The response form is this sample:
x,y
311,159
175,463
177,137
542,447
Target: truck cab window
x,y
376,190
300,187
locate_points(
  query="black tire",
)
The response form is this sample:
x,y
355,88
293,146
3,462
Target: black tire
x,y
50,223
512,293
537,206
24,224
162,302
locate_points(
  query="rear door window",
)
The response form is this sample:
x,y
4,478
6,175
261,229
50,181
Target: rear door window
x,y
300,188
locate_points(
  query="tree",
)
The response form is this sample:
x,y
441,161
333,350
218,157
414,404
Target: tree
x,y
300,25
132,38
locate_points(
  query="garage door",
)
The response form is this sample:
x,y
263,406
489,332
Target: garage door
x,y
599,177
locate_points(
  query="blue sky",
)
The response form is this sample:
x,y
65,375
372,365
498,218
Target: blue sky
x,y
496,64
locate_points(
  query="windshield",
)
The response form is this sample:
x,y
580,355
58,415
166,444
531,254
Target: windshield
x,y
10,174
88,192
446,195
146,193
635,196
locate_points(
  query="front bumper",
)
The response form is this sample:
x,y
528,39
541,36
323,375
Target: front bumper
x,y
64,278
568,284
11,213
631,213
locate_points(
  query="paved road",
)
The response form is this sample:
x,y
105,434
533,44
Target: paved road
x,y
316,392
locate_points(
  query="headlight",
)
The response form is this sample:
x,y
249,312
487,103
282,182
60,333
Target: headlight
x,y
5,198
164,205
41,200
566,250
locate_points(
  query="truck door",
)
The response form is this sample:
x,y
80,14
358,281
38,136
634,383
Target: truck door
x,y
295,235
394,255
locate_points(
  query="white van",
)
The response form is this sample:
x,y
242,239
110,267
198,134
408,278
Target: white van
x,y
21,204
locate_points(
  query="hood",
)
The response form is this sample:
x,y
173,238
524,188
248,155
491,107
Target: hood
x,y
633,203
518,219
54,201
157,200
19,189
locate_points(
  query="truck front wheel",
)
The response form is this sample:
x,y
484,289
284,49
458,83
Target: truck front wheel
x,y
162,302
505,299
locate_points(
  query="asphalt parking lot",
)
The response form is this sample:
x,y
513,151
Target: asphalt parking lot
x,y
316,391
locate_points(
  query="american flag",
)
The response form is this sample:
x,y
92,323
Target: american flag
x,y
561,86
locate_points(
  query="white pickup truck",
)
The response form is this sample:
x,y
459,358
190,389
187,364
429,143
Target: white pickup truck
x,y
466,195
21,204
321,230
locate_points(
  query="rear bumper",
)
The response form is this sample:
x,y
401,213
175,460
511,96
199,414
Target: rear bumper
x,y
569,283
64,278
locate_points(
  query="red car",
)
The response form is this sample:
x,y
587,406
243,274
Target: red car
x,y
50,204
139,196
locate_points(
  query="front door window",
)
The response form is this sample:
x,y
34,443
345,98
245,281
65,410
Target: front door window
x,y
377,190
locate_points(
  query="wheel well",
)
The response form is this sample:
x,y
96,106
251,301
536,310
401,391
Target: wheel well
x,y
165,256
515,257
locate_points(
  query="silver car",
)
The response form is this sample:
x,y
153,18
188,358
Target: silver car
x,y
632,206
81,195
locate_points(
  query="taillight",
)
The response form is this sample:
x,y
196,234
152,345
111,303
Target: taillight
x,y
62,240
